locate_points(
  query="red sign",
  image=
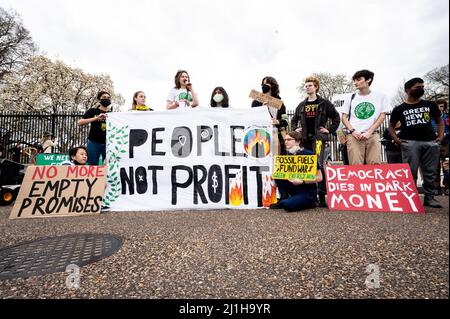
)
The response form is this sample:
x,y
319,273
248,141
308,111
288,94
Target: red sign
x,y
377,188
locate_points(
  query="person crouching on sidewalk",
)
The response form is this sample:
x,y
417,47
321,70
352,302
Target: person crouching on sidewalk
x,y
297,194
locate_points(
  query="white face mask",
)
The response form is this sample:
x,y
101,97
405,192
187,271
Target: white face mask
x,y
218,98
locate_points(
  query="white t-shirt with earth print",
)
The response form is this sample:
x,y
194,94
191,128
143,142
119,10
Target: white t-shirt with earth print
x,y
366,109
179,94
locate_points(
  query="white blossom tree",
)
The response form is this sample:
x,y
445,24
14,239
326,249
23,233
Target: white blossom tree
x,y
46,85
330,85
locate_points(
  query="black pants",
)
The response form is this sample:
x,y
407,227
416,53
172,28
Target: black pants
x,y
344,154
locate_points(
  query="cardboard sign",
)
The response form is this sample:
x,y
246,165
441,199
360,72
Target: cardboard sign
x,y
51,159
289,167
49,191
377,188
264,98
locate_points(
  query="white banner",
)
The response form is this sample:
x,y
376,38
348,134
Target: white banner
x,y
189,159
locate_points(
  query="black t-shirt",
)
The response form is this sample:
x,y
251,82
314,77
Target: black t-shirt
x,y
310,115
97,133
416,120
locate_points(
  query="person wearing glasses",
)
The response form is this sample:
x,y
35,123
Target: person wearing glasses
x,y
297,194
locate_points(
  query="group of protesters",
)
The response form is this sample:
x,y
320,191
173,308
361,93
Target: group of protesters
x,y
417,132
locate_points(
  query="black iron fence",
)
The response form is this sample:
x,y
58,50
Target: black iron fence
x,y
21,130
334,145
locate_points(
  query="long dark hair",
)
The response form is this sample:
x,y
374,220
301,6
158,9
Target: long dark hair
x,y
178,76
225,97
275,88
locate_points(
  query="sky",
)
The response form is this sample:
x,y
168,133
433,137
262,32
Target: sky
x,y
142,43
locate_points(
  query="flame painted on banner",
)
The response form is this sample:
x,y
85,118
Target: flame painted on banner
x,y
269,191
236,195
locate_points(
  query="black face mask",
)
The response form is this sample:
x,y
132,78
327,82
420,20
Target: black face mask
x,y
105,102
417,93
265,88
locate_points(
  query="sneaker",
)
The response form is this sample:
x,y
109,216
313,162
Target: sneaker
x,y
105,209
431,202
277,205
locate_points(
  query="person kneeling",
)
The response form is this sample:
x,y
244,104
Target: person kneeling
x,y
78,156
297,194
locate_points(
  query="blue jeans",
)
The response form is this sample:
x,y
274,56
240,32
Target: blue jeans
x,y
300,196
94,151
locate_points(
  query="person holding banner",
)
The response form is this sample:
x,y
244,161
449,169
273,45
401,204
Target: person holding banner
x,y
270,87
297,194
310,119
78,156
417,139
96,116
362,117
139,102
182,95
219,98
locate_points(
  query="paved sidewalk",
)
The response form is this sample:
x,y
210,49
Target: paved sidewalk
x,y
247,254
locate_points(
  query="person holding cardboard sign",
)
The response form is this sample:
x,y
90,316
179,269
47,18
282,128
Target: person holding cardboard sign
x,y
297,194
270,87
182,95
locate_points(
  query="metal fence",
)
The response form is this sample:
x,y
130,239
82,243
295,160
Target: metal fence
x,y
27,128
334,145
